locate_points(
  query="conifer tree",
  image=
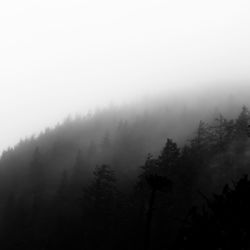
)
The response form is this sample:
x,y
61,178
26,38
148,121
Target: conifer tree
x,y
78,173
241,125
37,178
169,157
99,207
102,190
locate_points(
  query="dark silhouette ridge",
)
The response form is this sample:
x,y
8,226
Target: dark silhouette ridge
x,y
88,186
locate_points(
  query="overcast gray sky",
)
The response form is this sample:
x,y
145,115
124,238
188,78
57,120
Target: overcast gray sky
x,y
59,57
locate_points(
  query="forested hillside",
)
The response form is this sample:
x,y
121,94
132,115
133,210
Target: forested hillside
x,y
119,178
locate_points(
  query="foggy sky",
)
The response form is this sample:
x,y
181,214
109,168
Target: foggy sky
x,y
62,57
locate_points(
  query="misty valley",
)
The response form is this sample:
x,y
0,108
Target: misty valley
x,y
120,179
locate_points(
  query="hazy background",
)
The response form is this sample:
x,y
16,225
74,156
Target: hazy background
x,y
66,57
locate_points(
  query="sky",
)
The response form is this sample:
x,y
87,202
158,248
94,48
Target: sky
x,y
61,57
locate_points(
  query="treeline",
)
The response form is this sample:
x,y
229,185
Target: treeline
x,y
59,192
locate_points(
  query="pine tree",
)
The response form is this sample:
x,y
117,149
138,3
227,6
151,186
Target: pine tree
x,y
202,136
169,157
78,173
155,184
202,144
221,133
37,177
241,125
106,149
102,191
99,207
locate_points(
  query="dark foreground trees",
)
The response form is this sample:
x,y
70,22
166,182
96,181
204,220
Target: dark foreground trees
x,y
223,224
78,201
99,205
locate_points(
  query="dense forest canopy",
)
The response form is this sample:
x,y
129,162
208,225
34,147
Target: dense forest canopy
x,y
100,175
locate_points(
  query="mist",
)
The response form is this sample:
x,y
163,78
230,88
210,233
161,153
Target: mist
x,y
124,125
60,58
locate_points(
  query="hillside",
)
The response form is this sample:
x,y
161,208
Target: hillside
x,y
62,169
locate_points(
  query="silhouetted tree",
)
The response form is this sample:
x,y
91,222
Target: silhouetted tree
x,y
241,131
221,133
156,177
156,183
99,206
224,224
241,123
37,179
202,139
169,158
78,174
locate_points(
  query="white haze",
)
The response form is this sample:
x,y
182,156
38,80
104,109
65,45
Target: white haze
x,y
61,57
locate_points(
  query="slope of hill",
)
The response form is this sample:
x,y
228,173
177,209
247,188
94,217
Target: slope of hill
x,y
96,166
